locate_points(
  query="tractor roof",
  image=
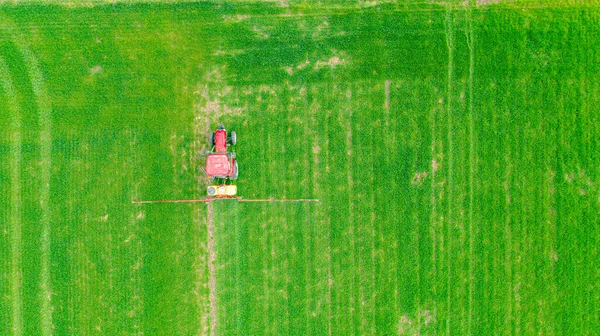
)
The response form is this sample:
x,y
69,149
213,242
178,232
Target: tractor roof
x,y
217,165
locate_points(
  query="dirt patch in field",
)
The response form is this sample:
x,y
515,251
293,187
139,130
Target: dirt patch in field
x,y
485,2
216,98
419,178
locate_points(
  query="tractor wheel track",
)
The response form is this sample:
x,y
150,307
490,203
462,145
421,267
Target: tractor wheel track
x,y
212,282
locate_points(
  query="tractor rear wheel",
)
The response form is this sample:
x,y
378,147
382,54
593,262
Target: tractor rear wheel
x,y
234,176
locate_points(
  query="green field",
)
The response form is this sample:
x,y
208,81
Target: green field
x,y
454,149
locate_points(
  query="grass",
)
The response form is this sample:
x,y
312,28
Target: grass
x,y
454,152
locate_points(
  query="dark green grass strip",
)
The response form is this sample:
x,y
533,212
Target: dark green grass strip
x,y
251,267
229,267
384,208
450,164
62,234
359,167
471,43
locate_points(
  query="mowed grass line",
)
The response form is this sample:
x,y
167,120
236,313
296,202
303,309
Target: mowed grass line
x,y
43,103
449,25
44,110
458,146
15,222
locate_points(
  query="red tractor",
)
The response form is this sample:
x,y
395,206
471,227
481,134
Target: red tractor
x,y
222,168
221,164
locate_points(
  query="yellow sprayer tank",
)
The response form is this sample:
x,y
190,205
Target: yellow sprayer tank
x,y
221,190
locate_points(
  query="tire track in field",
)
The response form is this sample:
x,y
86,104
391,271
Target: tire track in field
x,y
390,145
200,128
16,159
365,204
310,261
137,295
319,234
328,228
286,231
45,121
351,206
380,275
512,318
435,222
278,261
77,266
212,281
42,100
265,237
372,217
210,107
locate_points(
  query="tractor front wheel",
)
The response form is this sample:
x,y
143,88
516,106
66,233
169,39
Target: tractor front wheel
x,y
211,139
232,138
